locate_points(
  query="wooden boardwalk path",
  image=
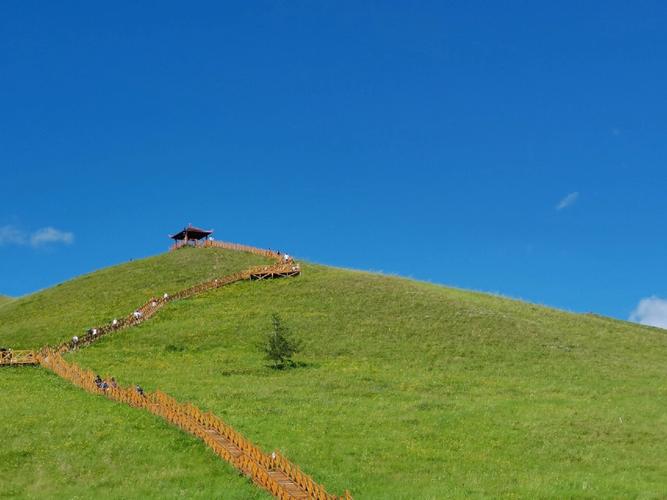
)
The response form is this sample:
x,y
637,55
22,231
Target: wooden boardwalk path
x,y
272,472
9,357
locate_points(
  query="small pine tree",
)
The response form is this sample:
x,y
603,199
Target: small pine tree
x,y
280,346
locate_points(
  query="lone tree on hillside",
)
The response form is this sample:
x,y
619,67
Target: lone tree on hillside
x,y
280,346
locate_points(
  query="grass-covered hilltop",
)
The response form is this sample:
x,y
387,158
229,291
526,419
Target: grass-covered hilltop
x,y
402,390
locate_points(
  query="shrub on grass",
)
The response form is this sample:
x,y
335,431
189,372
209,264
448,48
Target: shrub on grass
x,y
280,346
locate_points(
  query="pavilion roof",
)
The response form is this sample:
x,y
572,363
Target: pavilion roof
x,y
193,233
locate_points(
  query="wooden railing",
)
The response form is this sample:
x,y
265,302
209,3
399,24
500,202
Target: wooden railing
x,y
272,471
189,243
243,248
16,358
229,246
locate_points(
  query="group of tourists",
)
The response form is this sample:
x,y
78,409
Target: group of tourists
x,y
93,332
137,314
103,385
284,257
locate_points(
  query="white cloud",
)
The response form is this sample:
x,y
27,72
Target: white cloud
x,y
568,201
651,311
48,235
11,235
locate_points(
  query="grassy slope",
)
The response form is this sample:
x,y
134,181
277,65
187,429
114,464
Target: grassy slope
x,y
60,442
417,391
410,390
4,299
115,450
68,309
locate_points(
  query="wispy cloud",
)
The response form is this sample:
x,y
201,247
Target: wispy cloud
x,y
651,311
11,235
47,235
568,201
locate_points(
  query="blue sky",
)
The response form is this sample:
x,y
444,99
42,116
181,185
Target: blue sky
x,y
516,148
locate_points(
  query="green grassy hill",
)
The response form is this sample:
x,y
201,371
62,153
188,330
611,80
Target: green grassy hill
x,y
4,299
68,309
407,390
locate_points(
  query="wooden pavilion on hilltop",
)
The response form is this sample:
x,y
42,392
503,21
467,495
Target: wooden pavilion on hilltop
x,y
190,235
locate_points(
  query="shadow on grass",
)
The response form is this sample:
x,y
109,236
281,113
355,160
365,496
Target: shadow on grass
x,y
175,348
268,370
291,365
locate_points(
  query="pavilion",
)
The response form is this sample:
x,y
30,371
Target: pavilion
x,y
190,234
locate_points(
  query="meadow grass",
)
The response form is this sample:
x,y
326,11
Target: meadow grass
x,y
56,314
404,389
61,442
411,390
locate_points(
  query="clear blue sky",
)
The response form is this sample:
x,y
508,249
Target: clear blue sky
x,y
517,148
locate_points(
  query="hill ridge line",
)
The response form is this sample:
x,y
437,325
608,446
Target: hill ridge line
x,y
274,473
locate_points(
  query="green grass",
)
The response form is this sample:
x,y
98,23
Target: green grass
x,y
407,390
413,390
56,314
61,442
5,300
